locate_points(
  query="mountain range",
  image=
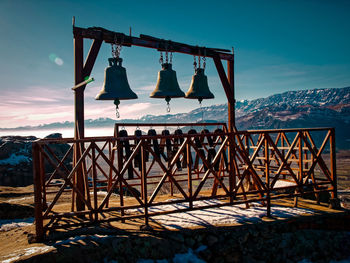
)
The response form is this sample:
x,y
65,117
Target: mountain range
x,y
292,109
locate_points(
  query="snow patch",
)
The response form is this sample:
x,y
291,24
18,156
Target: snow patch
x,y
82,237
9,224
281,183
188,257
15,160
225,215
26,252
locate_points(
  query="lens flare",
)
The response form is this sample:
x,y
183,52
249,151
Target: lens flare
x,y
55,59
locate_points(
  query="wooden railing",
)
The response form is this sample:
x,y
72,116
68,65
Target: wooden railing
x,y
138,172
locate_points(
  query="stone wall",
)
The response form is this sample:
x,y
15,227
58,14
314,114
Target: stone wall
x,y
318,238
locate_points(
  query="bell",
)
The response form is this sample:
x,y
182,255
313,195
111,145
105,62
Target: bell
x,y
199,87
167,85
116,86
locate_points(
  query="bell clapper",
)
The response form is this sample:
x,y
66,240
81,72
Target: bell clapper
x,y
167,99
116,103
200,106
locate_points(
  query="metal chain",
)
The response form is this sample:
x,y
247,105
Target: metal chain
x,y
171,57
194,63
199,61
204,59
168,107
116,48
166,56
161,60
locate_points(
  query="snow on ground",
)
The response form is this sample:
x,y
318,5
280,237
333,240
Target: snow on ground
x,y
224,215
189,257
15,159
16,200
8,224
26,252
75,239
332,261
281,183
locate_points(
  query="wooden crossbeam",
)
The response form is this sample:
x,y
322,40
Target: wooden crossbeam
x,y
119,175
67,181
101,34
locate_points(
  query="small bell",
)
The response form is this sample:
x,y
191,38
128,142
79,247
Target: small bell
x,y
116,86
199,88
167,86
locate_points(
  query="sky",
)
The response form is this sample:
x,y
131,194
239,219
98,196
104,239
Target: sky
x,y
278,45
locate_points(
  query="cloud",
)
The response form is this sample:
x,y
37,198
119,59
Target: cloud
x,y
135,108
48,116
107,109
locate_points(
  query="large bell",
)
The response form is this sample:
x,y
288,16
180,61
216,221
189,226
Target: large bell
x,y
167,86
115,86
199,88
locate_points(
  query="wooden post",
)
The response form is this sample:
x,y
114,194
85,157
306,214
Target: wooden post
x,y
267,175
144,180
231,127
231,103
79,115
189,174
39,227
94,180
333,164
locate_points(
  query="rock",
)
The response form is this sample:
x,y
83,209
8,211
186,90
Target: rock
x,y
10,147
31,238
205,254
211,240
234,257
244,238
177,237
128,192
16,168
190,242
12,211
334,203
54,136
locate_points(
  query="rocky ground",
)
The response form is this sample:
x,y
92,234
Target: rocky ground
x,y
321,237
313,240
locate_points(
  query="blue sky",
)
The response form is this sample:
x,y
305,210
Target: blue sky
x,y
279,46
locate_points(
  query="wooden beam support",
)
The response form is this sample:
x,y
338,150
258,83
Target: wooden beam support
x,y
225,83
79,114
149,42
91,58
231,104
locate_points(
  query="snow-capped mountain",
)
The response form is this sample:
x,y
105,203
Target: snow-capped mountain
x,y
292,109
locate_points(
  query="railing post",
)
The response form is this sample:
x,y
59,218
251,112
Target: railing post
x,y
267,176
144,184
189,174
39,227
94,178
232,170
333,164
42,178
